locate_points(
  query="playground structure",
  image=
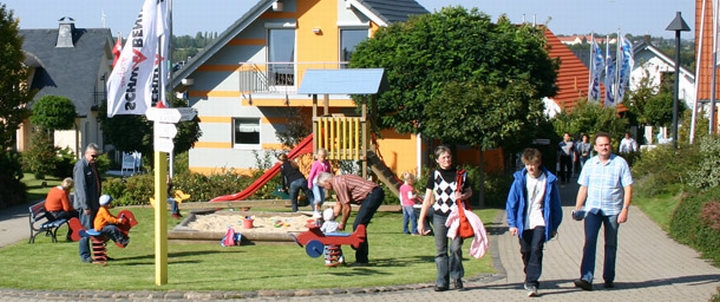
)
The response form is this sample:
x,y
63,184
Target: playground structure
x,y
344,137
315,241
99,241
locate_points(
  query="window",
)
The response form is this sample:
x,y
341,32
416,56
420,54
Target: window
x,y
349,38
246,132
281,56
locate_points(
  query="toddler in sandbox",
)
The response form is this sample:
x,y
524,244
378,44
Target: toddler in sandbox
x,y
333,253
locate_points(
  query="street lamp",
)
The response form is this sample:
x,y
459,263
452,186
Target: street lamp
x,y
677,25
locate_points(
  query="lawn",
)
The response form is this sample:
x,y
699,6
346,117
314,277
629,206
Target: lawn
x,y
659,208
396,259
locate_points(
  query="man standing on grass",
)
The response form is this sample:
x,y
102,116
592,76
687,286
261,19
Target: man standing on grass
x,y
87,194
606,192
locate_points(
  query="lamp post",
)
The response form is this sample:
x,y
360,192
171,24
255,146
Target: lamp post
x,y
677,25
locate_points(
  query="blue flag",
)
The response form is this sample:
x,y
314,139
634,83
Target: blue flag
x,y
596,67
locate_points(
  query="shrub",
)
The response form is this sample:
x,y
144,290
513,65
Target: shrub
x,y
40,157
138,189
12,191
664,169
706,174
116,188
11,164
687,225
64,163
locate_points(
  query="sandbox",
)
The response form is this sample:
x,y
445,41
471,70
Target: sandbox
x,y
268,227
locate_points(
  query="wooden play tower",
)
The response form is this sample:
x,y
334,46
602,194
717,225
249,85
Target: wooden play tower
x,y
347,137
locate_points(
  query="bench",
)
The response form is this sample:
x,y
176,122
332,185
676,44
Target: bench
x,y
40,222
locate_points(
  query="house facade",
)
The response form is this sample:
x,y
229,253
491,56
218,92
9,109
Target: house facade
x,y
244,85
74,63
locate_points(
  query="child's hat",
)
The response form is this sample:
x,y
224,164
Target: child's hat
x,y
328,214
105,200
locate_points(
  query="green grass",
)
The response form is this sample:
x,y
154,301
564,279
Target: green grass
x,y
36,191
396,259
659,208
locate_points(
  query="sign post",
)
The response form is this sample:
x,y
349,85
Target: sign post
x,y
164,130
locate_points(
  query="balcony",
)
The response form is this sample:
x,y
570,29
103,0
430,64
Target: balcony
x,y
280,78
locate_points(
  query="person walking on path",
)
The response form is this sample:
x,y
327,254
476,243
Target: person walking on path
x,y
566,148
354,189
534,213
87,194
606,193
442,195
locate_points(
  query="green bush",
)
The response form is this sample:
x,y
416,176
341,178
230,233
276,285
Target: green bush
x,y
707,174
116,188
664,169
12,191
40,157
64,163
688,226
11,164
138,190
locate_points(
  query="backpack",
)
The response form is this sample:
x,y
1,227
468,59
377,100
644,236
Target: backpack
x,y
229,239
465,229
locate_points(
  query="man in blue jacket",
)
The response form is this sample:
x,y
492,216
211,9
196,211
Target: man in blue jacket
x,y
534,213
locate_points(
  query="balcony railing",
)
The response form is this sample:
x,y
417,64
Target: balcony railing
x,y
277,77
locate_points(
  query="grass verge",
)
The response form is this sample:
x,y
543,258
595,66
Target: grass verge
x,y
396,259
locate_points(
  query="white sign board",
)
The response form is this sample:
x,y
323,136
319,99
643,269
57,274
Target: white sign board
x,y
170,115
164,144
164,130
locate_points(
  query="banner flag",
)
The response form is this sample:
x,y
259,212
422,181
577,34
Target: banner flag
x,y
596,67
161,72
609,76
626,66
133,81
117,49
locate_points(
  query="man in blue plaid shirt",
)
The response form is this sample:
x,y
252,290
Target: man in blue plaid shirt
x,y
606,192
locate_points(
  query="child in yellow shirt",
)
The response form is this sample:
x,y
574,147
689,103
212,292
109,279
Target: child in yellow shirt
x,y
106,223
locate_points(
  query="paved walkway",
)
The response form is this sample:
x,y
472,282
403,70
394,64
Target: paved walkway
x,y
650,267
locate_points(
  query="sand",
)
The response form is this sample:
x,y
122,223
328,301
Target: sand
x,y
262,222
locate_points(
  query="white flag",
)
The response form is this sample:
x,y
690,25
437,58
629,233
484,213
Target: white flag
x,y
134,80
609,77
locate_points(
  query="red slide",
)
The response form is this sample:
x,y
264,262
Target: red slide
x,y
304,147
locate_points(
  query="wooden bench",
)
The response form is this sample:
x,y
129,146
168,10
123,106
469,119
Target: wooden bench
x,y
40,222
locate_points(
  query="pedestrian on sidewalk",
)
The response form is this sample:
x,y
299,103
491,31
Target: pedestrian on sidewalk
x,y
442,195
566,150
606,193
534,213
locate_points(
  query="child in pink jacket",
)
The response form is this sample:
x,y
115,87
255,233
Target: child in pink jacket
x,y
319,165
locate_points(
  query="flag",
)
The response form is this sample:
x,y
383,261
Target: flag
x,y
596,67
625,53
117,49
609,76
134,83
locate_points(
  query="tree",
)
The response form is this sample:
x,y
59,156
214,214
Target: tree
x,y
135,133
430,59
54,113
14,93
590,118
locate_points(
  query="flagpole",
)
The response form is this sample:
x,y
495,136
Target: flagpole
x,y
697,72
713,81
592,65
616,82
608,89
168,85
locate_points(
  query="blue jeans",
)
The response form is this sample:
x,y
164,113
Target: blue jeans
x,y
84,242
112,232
174,209
531,248
295,188
409,216
319,195
367,209
447,266
593,221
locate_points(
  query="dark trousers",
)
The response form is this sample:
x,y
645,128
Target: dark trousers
x,y
367,209
84,242
531,248
55,215
295,187
565,167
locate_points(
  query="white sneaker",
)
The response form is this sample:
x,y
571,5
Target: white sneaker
x,y
316,214
532,291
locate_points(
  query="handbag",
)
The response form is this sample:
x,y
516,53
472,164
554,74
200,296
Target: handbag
x,y
465,229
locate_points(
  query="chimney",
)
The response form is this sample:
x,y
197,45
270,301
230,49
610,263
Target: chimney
x,y
66,33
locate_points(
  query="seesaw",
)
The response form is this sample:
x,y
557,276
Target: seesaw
x,y
98,240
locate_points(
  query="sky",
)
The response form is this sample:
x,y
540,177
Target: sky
x,y
566,17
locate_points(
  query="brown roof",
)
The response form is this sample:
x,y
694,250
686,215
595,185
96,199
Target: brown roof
x,y
704,77
573,76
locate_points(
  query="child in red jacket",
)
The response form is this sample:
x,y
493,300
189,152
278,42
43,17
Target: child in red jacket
x,y
106,223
